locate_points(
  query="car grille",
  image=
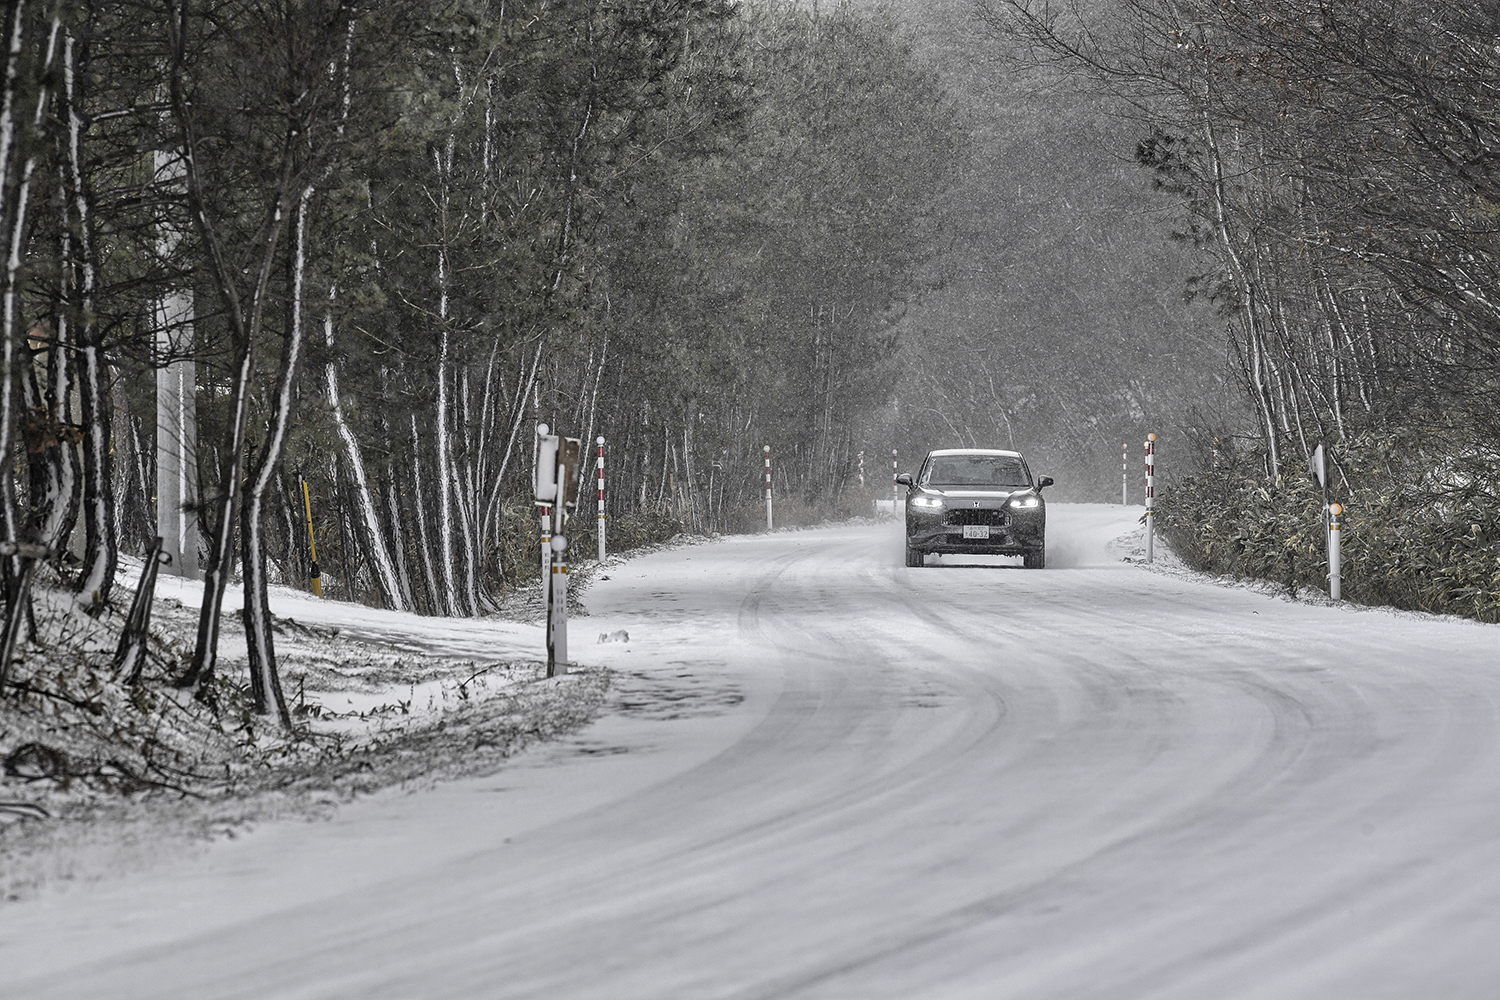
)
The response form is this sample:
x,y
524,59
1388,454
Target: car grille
x,y
976,515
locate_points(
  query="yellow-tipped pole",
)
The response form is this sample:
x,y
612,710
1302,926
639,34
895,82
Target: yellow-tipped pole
x,y
312,546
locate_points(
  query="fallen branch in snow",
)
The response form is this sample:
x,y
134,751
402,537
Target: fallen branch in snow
x,y
89,706
24,810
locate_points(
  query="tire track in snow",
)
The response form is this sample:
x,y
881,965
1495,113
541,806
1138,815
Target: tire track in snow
x,y
1092,782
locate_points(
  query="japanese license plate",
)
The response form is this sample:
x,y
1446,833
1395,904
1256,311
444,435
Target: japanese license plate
x,y
976,531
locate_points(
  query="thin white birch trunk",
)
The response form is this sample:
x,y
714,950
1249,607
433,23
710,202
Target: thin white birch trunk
x,y
480,466
464,495
443,475
518,418
101,544
424,543
396,594
1251,306
588,483
62,495
398,537
265,678
244,318
8,343
18,212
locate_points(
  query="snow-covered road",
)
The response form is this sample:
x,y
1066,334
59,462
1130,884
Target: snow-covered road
x,y
827,775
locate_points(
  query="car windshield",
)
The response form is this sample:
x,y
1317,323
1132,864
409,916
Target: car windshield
x,y
978,470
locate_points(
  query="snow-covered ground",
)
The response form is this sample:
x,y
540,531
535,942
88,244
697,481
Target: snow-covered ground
x,y
822,774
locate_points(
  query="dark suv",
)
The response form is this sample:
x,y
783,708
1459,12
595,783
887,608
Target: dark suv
x,y
976,501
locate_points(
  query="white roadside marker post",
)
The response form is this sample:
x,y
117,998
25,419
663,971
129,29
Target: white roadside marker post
x,y
1317,464
1124,474
1335,552
544,469
895,486
769,522
600,442
1150,497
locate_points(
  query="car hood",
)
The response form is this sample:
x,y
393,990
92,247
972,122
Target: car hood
x,y
970,493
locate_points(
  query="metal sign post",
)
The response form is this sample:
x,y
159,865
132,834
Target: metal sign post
x,y
569,453
770,524
546,542
1317,464
556,471
569,458
557,602
544,468
1150,497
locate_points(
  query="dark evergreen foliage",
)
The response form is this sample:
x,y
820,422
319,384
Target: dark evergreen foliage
x,y
413,230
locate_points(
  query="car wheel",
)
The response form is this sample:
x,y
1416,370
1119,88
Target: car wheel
x,y
915,556
1035,559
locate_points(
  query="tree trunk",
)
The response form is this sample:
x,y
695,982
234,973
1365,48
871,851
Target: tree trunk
x,y
397,596
101,544
15,211
265,679
1251,307
443,474
398,537
11,216
424,543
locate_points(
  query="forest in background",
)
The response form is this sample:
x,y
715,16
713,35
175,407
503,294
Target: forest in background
x,y
409,232
1334,164
1063,325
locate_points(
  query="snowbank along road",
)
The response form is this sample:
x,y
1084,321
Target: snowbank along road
x,y
826,775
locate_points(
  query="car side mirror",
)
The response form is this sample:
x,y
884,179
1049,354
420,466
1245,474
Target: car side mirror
x,y
1043,483
903,479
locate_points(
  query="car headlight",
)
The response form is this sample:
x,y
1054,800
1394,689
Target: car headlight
x,y
1028,501
926,502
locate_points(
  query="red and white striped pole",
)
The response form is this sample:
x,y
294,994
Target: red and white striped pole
x,y
1124,474
769,522
1150,496
895,487
600,442
1335,551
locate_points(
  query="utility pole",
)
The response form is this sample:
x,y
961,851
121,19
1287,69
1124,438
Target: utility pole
x,y
176,403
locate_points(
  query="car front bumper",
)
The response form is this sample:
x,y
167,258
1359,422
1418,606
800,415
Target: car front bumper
x,y
1023,531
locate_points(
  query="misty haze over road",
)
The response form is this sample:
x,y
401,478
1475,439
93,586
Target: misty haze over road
x,y
826,775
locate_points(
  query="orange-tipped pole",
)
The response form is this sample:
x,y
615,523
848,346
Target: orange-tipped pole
x,y
312,546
